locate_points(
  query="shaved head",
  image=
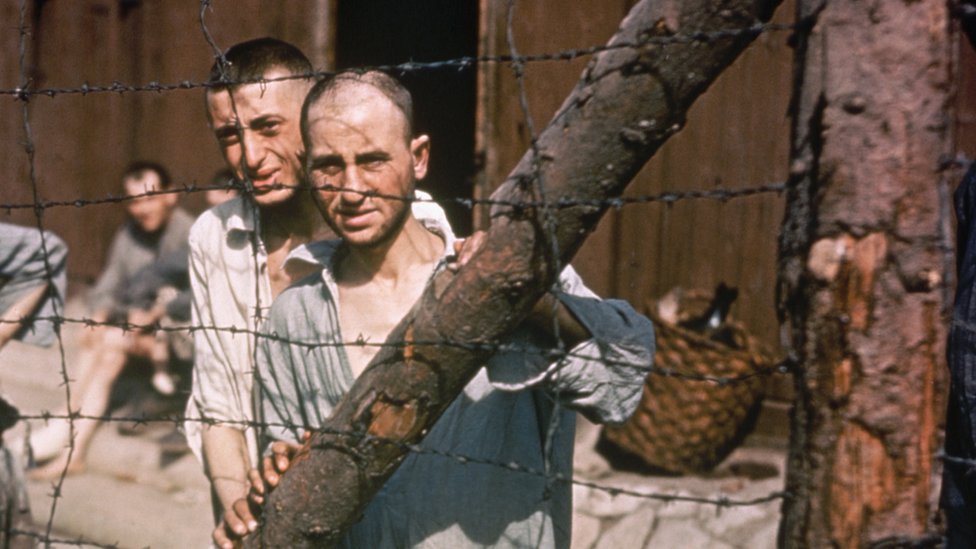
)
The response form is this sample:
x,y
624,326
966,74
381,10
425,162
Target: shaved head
x,y
350,86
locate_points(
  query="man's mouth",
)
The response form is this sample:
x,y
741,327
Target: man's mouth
x,y
265,183
355,218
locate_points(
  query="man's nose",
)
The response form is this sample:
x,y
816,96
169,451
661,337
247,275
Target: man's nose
x,y
254,151
354,185
137,211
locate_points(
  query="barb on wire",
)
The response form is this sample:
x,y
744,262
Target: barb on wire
x,y
956,460
782,367
421,449
29,150
24,92
667,197
47,540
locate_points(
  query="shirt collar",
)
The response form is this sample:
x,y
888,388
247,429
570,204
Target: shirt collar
x,y
240,215
319,252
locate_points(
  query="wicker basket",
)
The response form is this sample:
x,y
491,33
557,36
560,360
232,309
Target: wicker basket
x,y
685,424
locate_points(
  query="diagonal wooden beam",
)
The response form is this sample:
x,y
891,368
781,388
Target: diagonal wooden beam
x,y
630,99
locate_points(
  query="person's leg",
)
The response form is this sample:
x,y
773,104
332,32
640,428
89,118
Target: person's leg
x,y
162,379
50,440
10,320
90,399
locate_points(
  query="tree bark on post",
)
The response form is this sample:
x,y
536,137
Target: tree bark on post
x,y
630,99
864,270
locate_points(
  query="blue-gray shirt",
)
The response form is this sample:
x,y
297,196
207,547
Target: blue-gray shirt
x,y
461,490
23,268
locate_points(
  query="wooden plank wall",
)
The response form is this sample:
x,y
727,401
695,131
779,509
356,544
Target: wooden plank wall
x,y
84,142
737,136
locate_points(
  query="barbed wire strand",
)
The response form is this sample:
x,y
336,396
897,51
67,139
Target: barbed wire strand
x,y
780,367
48,539
548,225
31,162
722,194
420,449
25,91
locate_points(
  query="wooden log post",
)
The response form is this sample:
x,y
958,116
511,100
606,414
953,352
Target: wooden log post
x,y
629,100
864,271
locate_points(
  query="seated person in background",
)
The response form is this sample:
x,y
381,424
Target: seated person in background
x,y
32,286
160,294
156,228
364,161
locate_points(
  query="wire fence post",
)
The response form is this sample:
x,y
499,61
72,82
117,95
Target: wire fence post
x,y
862,271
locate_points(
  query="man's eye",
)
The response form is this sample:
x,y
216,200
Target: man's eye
x,y
227,139
373,165
270,128
329,171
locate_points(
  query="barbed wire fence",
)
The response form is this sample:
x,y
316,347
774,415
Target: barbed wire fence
x,y
25,93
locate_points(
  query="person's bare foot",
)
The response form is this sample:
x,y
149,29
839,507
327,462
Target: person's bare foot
x,y
52,470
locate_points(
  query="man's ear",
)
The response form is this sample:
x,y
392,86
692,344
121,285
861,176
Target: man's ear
x,y
420,151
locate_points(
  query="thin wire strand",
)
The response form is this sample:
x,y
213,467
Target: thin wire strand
x,y
38,213
665,197
454,64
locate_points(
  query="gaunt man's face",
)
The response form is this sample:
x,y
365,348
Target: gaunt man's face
x,y
270,151
363,164
150,211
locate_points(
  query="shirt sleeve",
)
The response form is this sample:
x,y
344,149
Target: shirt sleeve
x,y
214,397
602,377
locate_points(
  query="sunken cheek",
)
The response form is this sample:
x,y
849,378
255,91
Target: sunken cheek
x,y
232,155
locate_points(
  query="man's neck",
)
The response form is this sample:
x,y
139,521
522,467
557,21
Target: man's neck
x,y
387,262
295,219
379,284
284,227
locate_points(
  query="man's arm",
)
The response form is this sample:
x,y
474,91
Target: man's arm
x,y
223,448
226,460
609,349
281,411
551,316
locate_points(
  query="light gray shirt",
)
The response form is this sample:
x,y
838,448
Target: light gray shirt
x,y
22,268
480,479
131,251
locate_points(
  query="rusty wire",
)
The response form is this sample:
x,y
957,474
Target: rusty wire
x,y
782,367
721,194
38,213
25,93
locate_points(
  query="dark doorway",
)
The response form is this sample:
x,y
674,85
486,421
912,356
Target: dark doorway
x,y
392,32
